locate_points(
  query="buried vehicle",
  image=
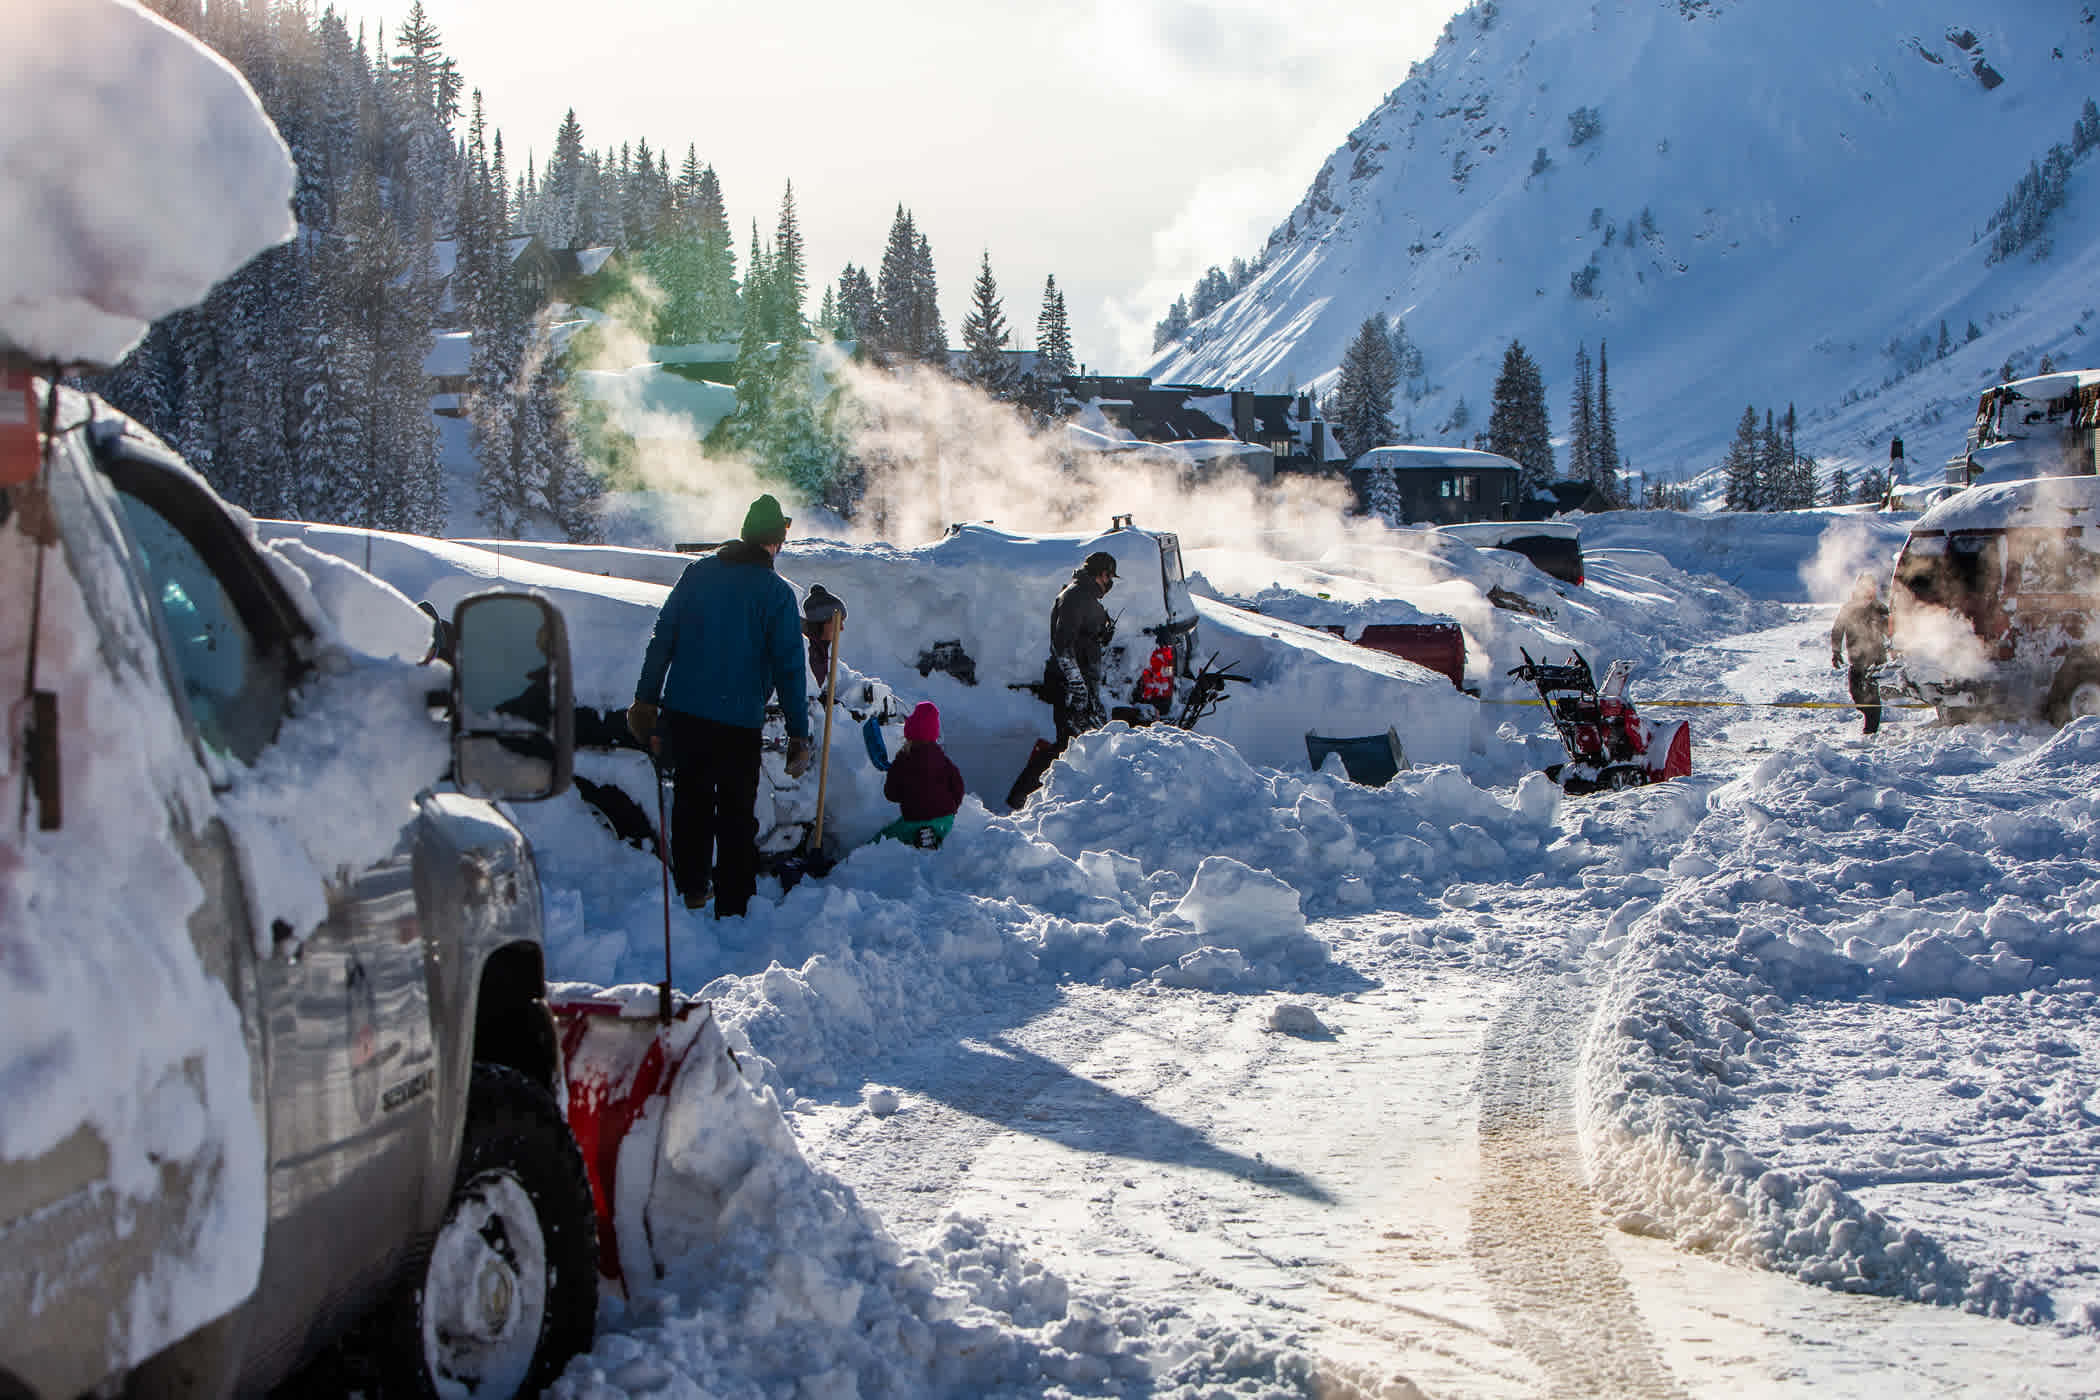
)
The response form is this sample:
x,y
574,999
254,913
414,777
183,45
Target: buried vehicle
x,y
1995,604
272,1007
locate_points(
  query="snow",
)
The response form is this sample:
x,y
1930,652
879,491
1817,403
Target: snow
x,y
958,1160
1206,1072
2041,503
148,173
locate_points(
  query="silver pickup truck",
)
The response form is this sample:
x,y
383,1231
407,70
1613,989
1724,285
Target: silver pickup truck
x,y
420,1181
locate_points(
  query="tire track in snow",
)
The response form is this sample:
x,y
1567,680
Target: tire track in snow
x,y
1535,1232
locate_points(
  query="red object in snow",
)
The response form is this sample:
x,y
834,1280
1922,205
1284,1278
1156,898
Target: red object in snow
x,y
618,1065
1439,646
1157,683
20,453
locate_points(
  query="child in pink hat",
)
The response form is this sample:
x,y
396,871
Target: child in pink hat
x,y
924,782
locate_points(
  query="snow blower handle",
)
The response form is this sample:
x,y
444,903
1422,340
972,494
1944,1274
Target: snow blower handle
x,y
663,852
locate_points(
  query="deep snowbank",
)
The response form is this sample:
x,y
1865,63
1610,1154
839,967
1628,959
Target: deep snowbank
x,y
1953,870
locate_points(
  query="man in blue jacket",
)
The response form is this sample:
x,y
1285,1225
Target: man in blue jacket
x,y
729,636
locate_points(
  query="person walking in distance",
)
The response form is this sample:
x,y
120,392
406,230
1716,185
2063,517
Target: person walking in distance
x,y
1861,633
1080,630
728,638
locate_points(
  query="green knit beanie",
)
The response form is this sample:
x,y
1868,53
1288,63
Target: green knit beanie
x,y
764,524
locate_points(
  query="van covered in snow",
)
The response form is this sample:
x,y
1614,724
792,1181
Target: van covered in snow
x,y
1995,607
2044,425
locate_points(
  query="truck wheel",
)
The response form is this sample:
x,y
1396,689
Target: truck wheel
x,y
507,1291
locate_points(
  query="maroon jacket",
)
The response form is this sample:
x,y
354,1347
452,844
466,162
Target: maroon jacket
x,y
924,783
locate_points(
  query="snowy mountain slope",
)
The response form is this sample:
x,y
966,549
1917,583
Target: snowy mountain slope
x,y
1773,193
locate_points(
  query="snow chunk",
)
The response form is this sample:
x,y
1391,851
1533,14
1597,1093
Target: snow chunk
x,y
1234,904
147,173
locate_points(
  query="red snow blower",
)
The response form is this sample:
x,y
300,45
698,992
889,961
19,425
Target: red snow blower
x,y
1610,747
622,1049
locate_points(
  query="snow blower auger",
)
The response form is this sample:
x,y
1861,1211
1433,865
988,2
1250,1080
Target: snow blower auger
x,y
1610,747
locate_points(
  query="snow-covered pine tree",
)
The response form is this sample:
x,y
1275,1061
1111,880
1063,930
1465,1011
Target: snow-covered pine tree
x,y
754,356
562,188
720,311
1607,431
1840,492
1053,336
553,472
1382,496
1582,421
1740,467
1518,425
1364,389
787,276
1407,361
985,335
1774,472
332,365
673,259
1174,327
931,336
860,314
897,292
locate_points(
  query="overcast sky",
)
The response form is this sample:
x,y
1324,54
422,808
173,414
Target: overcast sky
x,y
1123,146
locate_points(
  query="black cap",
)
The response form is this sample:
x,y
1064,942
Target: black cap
x,y
1100,562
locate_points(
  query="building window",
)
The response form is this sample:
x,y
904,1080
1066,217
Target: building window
x,y
1469,488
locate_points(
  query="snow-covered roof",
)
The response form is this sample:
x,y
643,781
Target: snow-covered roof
x,y
449,353
2051,386
1413,458
137,169
589,260
1486,534
2044,501
648,401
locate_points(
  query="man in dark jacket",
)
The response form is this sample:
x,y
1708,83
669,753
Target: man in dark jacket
x,y
1079,631
1862,629
729,637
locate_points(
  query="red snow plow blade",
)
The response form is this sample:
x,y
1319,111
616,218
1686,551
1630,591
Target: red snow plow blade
x,y
620,1058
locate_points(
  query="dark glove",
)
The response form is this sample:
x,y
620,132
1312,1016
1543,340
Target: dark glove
x,y
1836,660
641,722
1077,696
798,757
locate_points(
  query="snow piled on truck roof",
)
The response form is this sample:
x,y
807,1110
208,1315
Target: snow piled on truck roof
x,y
2042,502
139,170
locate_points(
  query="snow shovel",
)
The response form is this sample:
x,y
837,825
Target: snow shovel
x,y
811,860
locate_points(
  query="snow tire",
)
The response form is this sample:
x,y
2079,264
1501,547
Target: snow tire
x,y
506,1291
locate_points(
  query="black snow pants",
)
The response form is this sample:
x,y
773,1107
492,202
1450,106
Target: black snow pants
x,y
1866,693
714,797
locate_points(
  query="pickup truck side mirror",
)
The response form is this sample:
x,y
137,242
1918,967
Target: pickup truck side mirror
x,y
513,701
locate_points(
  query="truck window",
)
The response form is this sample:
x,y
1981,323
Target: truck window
x,y
236,685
